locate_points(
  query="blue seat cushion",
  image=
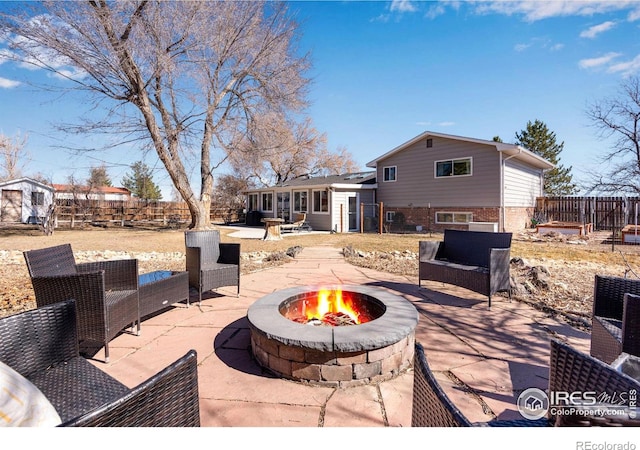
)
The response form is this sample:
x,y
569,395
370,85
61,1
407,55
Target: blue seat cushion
x,y
154,276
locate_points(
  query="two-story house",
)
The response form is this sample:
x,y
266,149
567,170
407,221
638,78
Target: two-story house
x,y
434,180
443,181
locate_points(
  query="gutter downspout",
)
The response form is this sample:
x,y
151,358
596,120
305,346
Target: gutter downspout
x,y
502,207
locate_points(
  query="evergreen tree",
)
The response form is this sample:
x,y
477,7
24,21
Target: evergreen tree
x,y
98,177
538,139
140,182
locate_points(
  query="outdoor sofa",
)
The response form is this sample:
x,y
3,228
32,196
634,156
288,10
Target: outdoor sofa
x,y
475,260
41,345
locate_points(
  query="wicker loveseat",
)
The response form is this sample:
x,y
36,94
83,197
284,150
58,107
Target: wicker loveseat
x,y
42,345
607,317
475,260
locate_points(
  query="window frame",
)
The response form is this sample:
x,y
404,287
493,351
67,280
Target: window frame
x,y
453,214
298,208
37,198
453,162
255,203
262,201
313,206
384,174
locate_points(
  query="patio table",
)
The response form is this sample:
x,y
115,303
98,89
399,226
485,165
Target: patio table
x,y
628,364
160,289
272,228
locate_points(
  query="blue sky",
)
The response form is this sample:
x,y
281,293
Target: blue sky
x,y
384,72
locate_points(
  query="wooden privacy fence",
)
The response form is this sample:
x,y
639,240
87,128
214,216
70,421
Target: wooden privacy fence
x,y
604,213
104,211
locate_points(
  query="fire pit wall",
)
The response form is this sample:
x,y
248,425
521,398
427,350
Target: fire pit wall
x,y
343,356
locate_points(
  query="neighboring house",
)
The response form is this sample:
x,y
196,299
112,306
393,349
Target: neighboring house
x,y
443,181
73,192
332,203
24,200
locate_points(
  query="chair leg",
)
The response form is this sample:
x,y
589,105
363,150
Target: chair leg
x,y
106,352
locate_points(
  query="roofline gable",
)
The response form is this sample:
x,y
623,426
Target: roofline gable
x,y
511,150
30,180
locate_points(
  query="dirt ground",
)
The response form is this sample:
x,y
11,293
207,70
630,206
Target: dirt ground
x,y
552,272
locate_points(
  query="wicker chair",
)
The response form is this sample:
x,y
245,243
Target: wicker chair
x,y
42,345
608,306
210,263
106,292
631,324
572,371
433,408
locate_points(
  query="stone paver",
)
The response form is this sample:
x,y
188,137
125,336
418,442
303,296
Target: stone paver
x,y
482,357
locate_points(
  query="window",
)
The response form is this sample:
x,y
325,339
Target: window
x,y
453,167
37,199
429,143
252,203
267,201
454,217
300,199
320,201
388,216
389,173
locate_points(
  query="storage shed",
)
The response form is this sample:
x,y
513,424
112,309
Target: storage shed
x,y
24,200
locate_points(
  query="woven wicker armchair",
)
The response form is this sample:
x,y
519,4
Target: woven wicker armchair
x,y
210,263
606,320
106,292
42,345
570,371
575,372
433,408
631,324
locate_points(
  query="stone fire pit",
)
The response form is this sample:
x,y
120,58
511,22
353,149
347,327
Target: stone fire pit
x,y
343,356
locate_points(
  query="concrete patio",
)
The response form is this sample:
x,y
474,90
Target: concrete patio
x,y
483,358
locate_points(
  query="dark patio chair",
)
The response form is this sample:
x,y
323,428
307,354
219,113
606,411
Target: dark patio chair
x,y
606,320
106,292
433,408
631,325
211,264
42,345
572,371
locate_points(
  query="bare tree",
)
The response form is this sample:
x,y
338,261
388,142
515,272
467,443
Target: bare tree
x,y
229,197
13,156
286,149
190,78
617,120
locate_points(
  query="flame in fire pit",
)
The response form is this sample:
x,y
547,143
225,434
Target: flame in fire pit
x,y
333,307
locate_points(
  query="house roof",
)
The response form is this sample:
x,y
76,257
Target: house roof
x,y
100,189
362,180
509,150
28,180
